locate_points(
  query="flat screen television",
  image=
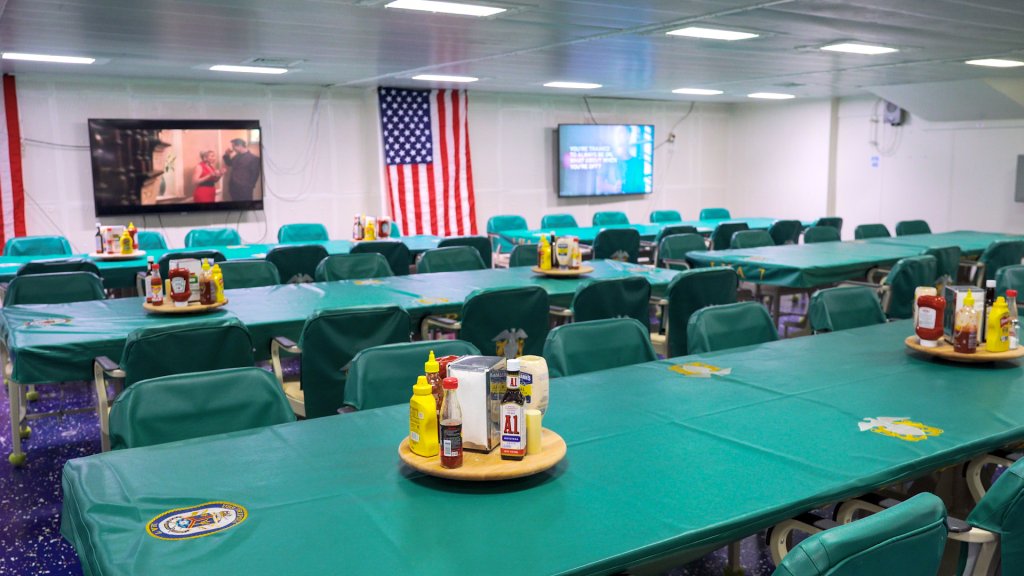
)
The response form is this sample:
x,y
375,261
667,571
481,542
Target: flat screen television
x,y
605,159
153,166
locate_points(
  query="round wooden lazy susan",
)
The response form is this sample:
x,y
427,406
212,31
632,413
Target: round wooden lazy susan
x,y
945,350
168,307
567,273
479,467
118,256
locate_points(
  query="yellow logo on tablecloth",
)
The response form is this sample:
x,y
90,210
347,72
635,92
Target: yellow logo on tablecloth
x,y
899,427
371,282
427,300
699,370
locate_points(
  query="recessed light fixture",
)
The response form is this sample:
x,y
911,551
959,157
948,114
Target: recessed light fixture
x,y
995,63
857,48
443,78
445,7
573,85
47,58
770,96
248,69
697,91
712,33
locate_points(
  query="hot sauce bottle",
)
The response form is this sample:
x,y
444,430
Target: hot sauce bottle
x,y
451,425
965,327
513,419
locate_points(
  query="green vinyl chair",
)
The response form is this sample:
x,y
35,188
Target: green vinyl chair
x,y
212,343
672,250
328,342
353,267
396,253
1010,277
37,246
58,265
844,307
384,375
715,214
628,297
721,238
450,259
508,322
153,411
899,284
249,274
673,229
947,261
821,233
997,255
785,231
549,221
54,288
302,233
907,539
150,240
751,239
999,512
729,326
908,227
658,216
610,218
833,221
495,226
688,292
296,263
865,231
621,244
480,243
523,255
582,347
205,237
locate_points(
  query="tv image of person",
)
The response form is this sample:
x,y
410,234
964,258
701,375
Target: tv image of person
x,y
245,171
205,177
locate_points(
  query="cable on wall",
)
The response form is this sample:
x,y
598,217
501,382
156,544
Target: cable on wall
x,y
885,141
586,102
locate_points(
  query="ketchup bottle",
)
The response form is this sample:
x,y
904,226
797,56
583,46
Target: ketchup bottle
x,y
180,290
930,310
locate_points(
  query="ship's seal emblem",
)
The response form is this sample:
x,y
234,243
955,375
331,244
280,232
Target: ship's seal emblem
x,y
196,521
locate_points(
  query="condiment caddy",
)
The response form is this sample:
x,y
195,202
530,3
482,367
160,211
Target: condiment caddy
x,y
560,257
192,287
371,228
117,243
972,331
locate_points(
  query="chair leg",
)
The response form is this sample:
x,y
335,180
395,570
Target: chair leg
x,y
32,395
17,456
733,566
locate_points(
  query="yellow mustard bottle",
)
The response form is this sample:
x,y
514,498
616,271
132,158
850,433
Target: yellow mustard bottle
x,y
997,329
218,280
127,244
544,254
423,420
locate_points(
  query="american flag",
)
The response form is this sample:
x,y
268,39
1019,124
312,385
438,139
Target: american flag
x,y
425,137
12,188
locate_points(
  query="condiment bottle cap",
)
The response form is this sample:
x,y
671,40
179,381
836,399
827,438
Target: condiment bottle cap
x,y
990,283
512,364
421,388
431,364
969,299
450,383
1011,293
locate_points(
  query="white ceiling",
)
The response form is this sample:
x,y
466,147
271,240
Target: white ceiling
x,y
621,45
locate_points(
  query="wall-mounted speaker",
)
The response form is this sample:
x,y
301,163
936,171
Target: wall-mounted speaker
x,y
893,114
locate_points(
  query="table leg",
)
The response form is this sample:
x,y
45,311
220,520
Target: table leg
x,y
17,457
733,567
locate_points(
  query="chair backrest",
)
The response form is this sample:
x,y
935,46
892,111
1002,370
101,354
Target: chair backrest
x,y
844,307
665,216
55,288
621,244
1001,253
153,411
908,227
582,347
947,262
558,221
150,240
481,243
1010,277
871,231
305,232
611,217
821,233
395,251
37,246
786,231
329,341
191,346
1001,510
715,214
496,225
165,261
751,239
673,229
628,297
297,263
203,237
384,375
833,221
353,267
729,326
903,280
507,322
721,238
692,290
676,246
906,539
58,265
450,259
249,274
523,255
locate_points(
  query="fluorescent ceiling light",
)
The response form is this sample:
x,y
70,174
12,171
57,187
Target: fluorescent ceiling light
x,y
770,96
443,78
248,69
697,91
446,7
995,63
48,58
712,33
855,48
573,85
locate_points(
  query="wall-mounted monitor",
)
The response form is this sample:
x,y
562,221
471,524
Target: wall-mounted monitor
x,y
605,159
147,166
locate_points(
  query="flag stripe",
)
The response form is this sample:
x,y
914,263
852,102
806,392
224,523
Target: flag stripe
x,y
6,182
14,142
442,117
458,165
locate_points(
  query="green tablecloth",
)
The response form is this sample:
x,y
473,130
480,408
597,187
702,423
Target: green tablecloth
x,y
647,231
657,463
969,241
57,342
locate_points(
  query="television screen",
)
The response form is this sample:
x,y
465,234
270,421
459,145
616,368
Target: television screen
x,y
145,166
605,159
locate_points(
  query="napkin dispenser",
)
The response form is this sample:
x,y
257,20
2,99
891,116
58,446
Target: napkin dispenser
x,y
481,386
